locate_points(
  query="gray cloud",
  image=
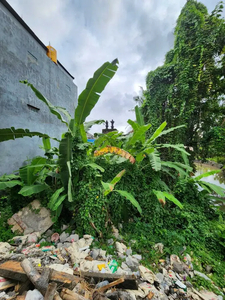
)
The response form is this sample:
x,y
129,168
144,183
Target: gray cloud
x,y
86,33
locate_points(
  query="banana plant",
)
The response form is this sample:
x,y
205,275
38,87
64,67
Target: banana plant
x,y
75,125
108,187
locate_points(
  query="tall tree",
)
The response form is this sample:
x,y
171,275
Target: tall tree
x,y
189,87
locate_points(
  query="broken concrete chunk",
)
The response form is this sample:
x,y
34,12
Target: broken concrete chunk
x,y
5,247
32,218
202,275
120,247
62,268
147,274
63,237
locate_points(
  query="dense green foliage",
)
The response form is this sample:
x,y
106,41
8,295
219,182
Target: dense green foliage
x,y
131,179
189,88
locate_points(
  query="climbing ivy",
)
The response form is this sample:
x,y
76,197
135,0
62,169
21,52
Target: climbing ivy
x,y
189,87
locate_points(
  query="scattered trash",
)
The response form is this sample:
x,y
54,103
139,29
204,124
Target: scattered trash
x,y
113,265
71,268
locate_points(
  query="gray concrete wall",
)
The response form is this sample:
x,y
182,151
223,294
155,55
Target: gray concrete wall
x,y
22,57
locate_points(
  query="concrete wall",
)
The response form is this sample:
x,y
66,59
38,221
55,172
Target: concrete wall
x,y
22,57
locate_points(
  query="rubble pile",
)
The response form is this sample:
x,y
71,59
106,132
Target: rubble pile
x,y
72,269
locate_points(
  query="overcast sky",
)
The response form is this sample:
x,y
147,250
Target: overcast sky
x,y
86,33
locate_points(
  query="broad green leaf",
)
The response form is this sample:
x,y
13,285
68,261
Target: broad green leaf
x,y
83,133
155,160
88,125
12,134
6,177
54,198
170,130
28,190
51,107
186,167
117,178
140,156
95,167
9,184
95,85
133,124
158,131
108,187
217,189
207,174
173,199
149,150
28,174
179,147
185,158
65,112
139,116
131,198
172,165
160,196
65,155
46,143
139,134
58,202
70,197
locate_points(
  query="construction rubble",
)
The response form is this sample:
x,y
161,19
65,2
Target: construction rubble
x,y
72,268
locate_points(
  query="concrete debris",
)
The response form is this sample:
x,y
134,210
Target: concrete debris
x,y
80,271
32,218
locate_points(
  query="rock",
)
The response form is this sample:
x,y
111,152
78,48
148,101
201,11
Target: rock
x,y
5,247
101,284
87,236
132,263
147,274
137,256
202,275
34,295
125,267
64,227
32,218
73,238
110,241
49,233
178,267
63,237
129,251
159,247
95,253
120,247
160,277
62,268
174,258
33,237
208,269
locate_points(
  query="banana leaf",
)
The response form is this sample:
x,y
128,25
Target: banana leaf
x,y
130,198
12,134
53,109
9,184
28,190
139,116
139,134
158,131
28,174
90,95
207,174
65,155
88,125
